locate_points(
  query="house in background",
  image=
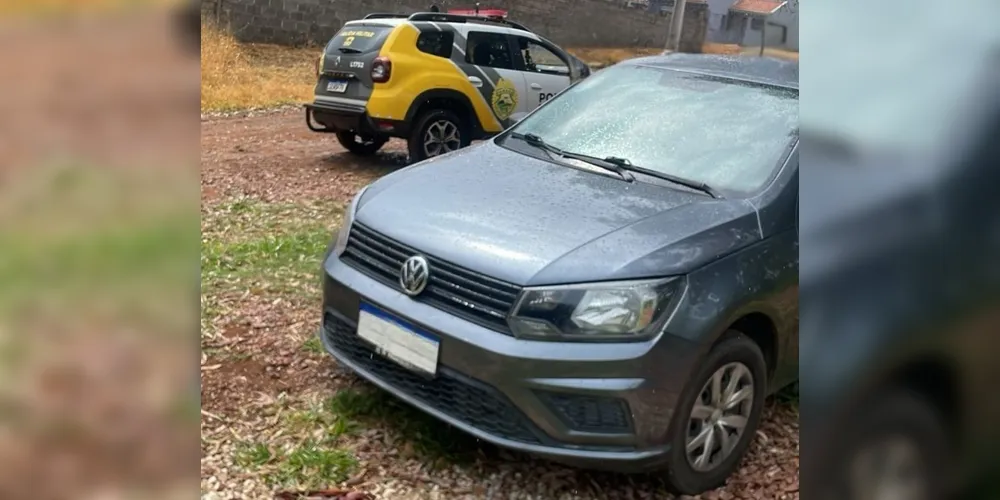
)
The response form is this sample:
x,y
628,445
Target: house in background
x,y
744,21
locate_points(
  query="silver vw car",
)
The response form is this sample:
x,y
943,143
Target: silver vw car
x,y
611,282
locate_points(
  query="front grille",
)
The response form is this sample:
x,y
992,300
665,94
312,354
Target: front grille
x,y
467,294
454,394
590,414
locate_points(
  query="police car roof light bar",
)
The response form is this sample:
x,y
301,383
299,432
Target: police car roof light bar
x,y
497,16
499,13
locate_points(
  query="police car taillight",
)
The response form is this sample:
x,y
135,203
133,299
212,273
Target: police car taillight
x,y
381,69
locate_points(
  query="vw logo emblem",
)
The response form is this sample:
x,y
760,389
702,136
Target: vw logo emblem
x,y
414,275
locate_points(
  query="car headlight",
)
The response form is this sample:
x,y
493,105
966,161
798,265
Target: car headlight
x,y
340,242
620,311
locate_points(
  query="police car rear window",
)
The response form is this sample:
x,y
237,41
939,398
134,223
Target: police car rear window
x,y
436,43
358,39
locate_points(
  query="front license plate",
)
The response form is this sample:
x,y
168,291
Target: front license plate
x,y
398,340
339,86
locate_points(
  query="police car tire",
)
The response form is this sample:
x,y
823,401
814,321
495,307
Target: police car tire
x,y
415,143
364,148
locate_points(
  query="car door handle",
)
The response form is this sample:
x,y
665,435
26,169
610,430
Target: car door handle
x,y
536,86
476,81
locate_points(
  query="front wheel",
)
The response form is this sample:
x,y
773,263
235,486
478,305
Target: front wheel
x,y
437,132
362,146
717,416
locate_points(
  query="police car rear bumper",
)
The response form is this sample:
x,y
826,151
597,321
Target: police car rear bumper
x,y
322,116
331,117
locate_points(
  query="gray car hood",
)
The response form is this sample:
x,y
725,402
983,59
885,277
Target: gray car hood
x,y
531,222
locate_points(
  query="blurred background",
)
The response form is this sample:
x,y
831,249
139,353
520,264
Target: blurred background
x,y
98,250
900,246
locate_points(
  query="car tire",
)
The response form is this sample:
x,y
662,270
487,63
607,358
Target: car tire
x,y
896,417
735,355
360,146
445,125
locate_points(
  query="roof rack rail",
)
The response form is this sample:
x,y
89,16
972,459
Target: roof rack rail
x,y
437,17
456,18
513,24
384,15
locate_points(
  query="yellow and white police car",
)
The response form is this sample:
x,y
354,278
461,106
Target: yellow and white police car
x,y
438,80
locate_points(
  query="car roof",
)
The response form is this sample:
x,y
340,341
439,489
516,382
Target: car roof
x,y
768,70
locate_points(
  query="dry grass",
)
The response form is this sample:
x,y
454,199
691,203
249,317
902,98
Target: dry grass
x,y
768,51
720,48
602,56
733,49
244,76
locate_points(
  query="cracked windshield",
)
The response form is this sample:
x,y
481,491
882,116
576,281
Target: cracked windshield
x,y
725,133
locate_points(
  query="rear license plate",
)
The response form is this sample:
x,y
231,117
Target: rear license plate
x,y
339,86
398,340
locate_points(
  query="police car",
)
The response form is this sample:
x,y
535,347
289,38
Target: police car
x,y
437,79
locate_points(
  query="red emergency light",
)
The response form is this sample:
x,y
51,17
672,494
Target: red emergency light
x,y
498,13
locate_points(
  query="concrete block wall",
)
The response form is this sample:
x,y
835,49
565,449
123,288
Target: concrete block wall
x,y
570,23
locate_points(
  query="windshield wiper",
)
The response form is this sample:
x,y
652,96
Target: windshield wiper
x,y
538,142
624,163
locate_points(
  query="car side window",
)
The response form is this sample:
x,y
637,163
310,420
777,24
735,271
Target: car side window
x,y
489,49
540,59
436,43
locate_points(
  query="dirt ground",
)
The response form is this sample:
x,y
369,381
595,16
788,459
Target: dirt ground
x,y
255,371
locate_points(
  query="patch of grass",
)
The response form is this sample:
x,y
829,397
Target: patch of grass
x,y
253,454
265,248
330,425
246,218
429,439
237,76
298,251
313,345
312,465
309,464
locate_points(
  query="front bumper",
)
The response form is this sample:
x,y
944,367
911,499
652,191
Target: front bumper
x,y
513,392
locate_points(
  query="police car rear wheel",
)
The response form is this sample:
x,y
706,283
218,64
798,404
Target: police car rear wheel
x,y
360,145
438,131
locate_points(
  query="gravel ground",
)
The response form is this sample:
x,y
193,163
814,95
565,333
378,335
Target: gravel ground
x,y
278,414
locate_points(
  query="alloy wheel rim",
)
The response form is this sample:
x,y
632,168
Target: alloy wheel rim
x,y
441,137
719,416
